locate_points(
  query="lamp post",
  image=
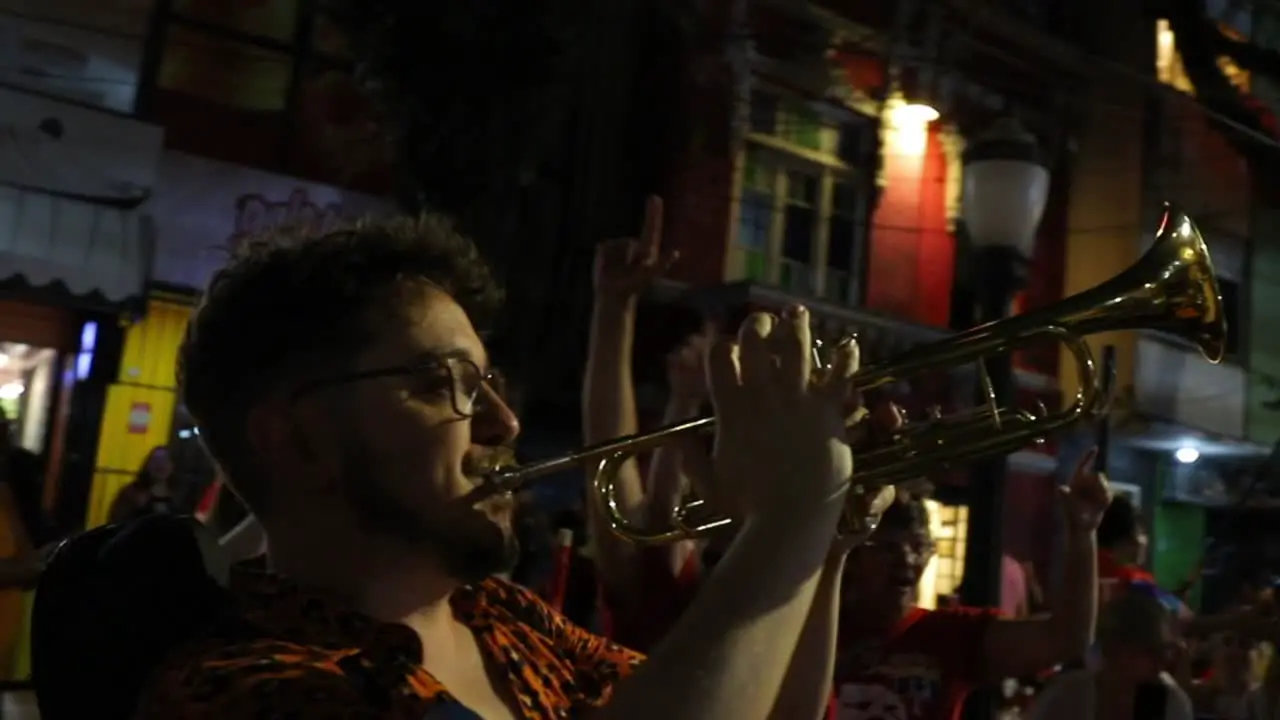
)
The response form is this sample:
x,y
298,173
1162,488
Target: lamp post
x,y
1006,184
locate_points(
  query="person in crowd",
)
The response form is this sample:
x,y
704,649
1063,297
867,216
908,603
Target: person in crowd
x,y
1122,548
1229,691
639,597
922,664
341,384
1122,551
150,493
1014,588
1136,635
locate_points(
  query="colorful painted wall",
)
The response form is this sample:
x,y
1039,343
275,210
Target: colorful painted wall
x,y
140,404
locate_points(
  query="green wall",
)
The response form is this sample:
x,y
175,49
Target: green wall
x,y
1177,538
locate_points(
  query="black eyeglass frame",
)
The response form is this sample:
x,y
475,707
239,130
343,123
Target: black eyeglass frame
x,y
448,363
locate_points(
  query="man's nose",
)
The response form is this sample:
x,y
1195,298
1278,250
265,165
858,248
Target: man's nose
x,y
495,423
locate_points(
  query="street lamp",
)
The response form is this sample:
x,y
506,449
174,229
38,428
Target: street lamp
x,y
1006,184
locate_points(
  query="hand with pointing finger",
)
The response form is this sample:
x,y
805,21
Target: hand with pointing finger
x,y
1086,497
624,267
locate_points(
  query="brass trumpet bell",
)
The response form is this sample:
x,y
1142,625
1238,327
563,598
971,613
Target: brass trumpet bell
x,y
1171,288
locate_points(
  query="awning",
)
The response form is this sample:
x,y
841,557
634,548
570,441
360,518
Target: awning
x,y
91,248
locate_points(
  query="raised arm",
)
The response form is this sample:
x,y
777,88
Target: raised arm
x,y
1016,648
623,268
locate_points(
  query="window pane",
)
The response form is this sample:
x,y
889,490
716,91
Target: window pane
x,y
335,137
755,220
764,113
840,243
800,125
754,265
224,72
207,82
797,234
852,139
838,286
802,189
273,19
844,198
757,172
796,277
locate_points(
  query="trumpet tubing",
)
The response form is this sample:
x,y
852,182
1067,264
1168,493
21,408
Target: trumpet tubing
x,y
1171,288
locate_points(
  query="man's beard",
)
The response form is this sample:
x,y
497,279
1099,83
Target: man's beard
x,y
468,544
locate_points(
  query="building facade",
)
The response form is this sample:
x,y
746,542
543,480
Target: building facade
x,y
815,191
122,200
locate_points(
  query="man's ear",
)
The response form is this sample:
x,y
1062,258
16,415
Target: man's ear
x,y
281,436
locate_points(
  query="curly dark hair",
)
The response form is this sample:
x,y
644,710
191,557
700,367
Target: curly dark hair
x,y
291,303
906,514
1120,523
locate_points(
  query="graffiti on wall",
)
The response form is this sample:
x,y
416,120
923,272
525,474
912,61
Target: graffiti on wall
x,y
257,213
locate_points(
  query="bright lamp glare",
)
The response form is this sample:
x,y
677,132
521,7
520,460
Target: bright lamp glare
x,y
12,391
914,114
1187,455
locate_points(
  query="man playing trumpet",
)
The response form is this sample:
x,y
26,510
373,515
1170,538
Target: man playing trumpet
x,y
342,386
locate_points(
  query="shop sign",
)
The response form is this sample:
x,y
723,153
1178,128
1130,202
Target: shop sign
x,y
139,418
204,208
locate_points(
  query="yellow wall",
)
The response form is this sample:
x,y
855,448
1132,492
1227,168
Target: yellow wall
x,y
146,377
1106,219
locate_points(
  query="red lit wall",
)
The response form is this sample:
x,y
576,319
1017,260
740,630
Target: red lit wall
x,y
912,255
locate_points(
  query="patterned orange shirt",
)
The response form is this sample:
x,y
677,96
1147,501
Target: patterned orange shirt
x,y
303,656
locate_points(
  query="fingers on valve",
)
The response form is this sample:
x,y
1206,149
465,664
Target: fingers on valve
x,y
845,362
724,379
793,343
755,349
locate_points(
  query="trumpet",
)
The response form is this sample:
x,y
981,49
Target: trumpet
x,y
1171,288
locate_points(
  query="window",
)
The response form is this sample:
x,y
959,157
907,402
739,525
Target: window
x,y
222,72
755,224
270,19
950,526
282,101
1169,68
206,80
802,203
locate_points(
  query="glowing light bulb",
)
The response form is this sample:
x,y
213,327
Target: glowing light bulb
x,y
1187,455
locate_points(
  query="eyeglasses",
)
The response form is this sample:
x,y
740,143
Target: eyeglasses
x,y
461,378
911,549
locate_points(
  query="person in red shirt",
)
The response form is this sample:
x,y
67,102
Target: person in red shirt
x,y
897,660
1122,548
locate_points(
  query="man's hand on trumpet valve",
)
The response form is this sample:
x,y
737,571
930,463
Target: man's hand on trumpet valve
x,y
773,422
864,430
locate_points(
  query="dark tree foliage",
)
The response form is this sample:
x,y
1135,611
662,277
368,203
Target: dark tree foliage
x,y
474,92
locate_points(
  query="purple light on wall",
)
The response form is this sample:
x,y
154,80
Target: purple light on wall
x,y
88,340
